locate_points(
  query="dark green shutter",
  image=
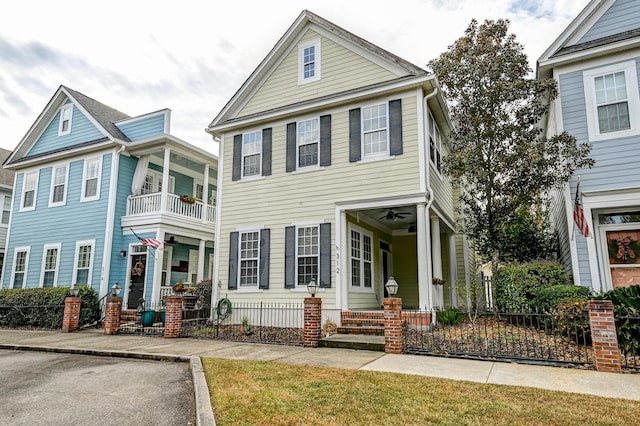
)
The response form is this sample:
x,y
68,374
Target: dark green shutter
x,y
325,140
290,257
263,277
291,147
354,135
325,255
233,261
236,173
266,152
395,127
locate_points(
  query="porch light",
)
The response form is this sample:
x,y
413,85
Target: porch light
x,y
312,287
123,253
115,290
74,290
391,286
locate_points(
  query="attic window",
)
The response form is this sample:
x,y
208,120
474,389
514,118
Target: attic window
x,y
66,114
309,62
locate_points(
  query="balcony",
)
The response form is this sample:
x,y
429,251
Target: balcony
x,y
149,205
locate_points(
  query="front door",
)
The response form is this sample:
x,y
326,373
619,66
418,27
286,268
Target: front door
x,y
385,265
136,279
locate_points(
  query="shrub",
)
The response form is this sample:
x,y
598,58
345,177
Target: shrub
x,y
626,304
451,316
90,310
516,286
558,296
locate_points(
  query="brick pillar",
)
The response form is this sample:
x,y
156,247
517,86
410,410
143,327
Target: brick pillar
x,y
393,337
112,315
603,335
71,316
173,316
312,321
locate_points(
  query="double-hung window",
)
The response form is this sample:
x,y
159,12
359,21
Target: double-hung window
x,y
612,100
308,254
66,115
84,262
375,125
249,258
361,254
251,154
58,185
435,143
308,142
91,179
6,209
50,261
29,186
309,62
20,263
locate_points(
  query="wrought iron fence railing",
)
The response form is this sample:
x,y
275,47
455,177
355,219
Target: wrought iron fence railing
x,y
628,331
542,338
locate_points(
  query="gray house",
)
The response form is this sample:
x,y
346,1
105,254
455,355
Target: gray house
x,y
6,190
596,62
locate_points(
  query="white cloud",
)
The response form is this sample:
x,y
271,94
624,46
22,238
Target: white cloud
x,y
192,56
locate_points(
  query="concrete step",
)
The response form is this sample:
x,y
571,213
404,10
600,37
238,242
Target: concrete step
x,y
370,330
353,341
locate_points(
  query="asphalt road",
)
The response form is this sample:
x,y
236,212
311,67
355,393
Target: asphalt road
x,y
41,388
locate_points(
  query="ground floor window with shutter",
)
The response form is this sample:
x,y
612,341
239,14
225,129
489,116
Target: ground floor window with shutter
x,y
249,257
361,253
308,252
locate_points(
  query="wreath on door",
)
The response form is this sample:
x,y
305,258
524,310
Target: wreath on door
x,y
137,269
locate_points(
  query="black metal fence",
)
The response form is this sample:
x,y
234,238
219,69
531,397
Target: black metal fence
x,y
628,330
250,322
523,337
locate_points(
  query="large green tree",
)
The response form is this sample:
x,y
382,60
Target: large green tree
x,y
499,153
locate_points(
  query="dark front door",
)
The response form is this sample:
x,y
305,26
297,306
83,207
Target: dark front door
x,y
136,279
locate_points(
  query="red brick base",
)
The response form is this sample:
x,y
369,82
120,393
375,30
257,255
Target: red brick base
x,y
112,316
604,337
71,316
393,337
312,322
173,316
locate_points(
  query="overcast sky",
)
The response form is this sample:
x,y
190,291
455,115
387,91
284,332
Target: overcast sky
x,y
191,56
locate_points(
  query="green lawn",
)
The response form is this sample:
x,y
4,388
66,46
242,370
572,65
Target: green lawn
x,y
271,393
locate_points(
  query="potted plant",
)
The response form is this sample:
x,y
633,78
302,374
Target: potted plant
x,y
438,281
187,199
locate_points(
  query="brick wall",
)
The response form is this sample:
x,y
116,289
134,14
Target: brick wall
x,y
312,322
393,337
604,337
112,315
71,316
173,316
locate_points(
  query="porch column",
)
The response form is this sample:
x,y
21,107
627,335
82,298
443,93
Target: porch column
x,y
342,290
205,199
436,255
165,180
453,270
425,298
200,271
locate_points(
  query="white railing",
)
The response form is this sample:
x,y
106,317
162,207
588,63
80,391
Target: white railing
x,y
151,203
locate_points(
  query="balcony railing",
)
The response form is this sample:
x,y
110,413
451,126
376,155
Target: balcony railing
x,y
151,203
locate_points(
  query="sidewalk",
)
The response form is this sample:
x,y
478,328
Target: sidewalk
x,y
94,342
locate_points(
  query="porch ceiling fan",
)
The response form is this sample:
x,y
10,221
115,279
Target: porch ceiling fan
x,y
171,240
392,215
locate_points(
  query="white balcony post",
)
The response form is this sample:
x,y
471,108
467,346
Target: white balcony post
x,y
200,271
425,295
436,255
165,180
205,192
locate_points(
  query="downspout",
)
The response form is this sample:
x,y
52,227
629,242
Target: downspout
x,y
428,206
216,284
111,214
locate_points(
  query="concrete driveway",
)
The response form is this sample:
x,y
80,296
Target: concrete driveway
x,y
41,388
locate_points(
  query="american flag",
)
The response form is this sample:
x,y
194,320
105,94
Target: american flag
x,y
151,242
578,214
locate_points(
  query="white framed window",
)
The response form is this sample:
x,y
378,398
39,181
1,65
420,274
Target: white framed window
x,y
375,135
252,154
50,263
20,267
153,183
307,254
167,257
309,61
435,144
361,258
6,209
199,191
249,255
59,178
66,116
612,101
29,190
308,142
91,179
83,262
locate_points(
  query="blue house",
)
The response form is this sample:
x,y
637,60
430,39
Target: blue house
x,y
90,184
596,61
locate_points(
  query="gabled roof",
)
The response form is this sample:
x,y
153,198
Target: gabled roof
x,y
400,66
568,47
102,116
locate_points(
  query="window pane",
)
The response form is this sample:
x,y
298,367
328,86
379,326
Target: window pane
x,y
6,209
307,269
82,277
308,155
613,117
91,188
251,152
355,272
374,123
18,279
58,194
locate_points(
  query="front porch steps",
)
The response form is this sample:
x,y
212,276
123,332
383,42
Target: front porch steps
x,y
362,330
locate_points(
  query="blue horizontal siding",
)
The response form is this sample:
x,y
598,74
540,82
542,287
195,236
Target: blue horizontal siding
x,y
143,128
623,15
82,130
